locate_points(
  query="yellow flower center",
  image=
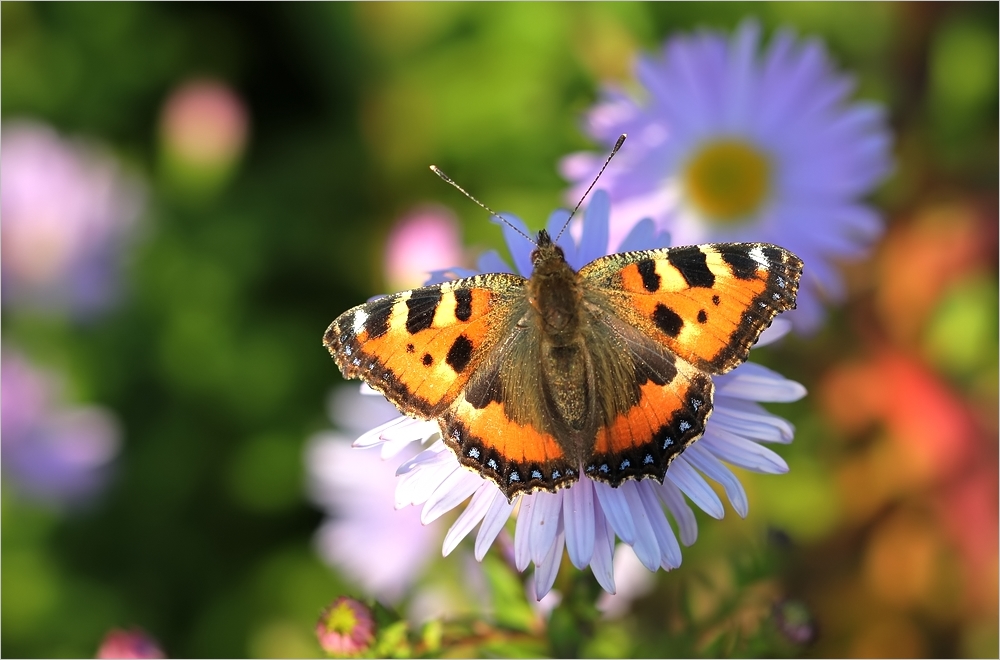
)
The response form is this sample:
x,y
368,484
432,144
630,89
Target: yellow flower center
x,y
342,619
727,180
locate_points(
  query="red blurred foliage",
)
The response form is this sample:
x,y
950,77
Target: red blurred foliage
x,y
938,438
920,478
920,260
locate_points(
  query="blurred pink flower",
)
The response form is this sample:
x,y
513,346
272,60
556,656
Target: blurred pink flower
x,y
346,627
133,643
422,241
66,210
51,452
204,124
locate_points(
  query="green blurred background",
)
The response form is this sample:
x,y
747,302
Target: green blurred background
x,y
213,365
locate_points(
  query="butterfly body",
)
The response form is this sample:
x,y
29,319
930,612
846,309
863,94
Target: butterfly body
x,y
605,371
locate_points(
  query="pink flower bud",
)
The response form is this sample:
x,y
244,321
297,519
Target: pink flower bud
x,y
134,643
346,627
204,124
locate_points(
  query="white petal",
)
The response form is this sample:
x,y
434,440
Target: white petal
x,y
604,542
493,522
522,532
514,231
491,262
646,547
548,569
374,436
750,420
670,552
433,455
704,460
454,490
616,511
689,481
633,581
469,517
744,453
741,75
391,448
758,383
417,486
779,328
544,523
353,410
578,520
414,430
680,510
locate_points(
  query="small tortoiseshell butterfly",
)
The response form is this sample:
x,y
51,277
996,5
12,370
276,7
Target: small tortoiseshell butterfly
x,y
604,371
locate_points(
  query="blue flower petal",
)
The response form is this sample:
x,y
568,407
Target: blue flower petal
x,y
594,238
492,262
520,247
644,236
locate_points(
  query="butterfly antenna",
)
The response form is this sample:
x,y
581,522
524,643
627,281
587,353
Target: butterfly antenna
x,y
448,179
618,145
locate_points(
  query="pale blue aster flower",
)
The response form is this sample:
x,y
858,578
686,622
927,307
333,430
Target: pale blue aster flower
x,y
586,517
735,144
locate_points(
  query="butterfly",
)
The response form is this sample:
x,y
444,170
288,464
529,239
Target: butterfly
x,y
605,371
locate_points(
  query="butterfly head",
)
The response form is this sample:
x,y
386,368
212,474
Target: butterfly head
x,y
546,251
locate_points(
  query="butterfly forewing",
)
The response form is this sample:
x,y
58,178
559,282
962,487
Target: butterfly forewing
x,y
420,347
708,303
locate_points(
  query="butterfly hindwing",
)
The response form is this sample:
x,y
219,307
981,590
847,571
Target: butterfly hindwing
x,y
501,425
707,303
650,413
420,347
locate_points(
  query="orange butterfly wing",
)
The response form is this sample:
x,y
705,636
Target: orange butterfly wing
x,y
420,347
468,353
706,305
455,352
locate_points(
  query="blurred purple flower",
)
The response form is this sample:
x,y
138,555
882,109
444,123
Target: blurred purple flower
x,y
736,146
67,209
585,518
134,643
382,549
51,452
